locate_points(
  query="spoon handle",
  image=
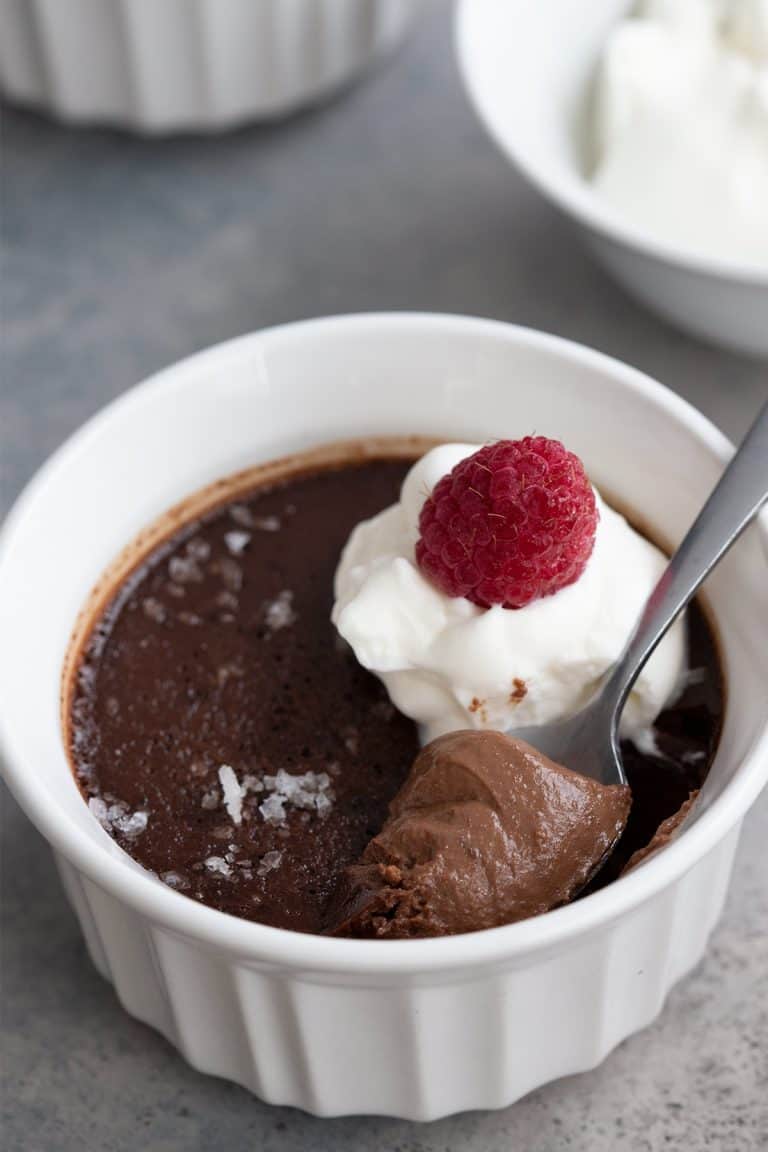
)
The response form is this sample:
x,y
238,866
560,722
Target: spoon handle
x,y
734,501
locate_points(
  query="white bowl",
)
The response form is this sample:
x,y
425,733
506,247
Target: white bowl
x,y
528,66
188,65
415,1028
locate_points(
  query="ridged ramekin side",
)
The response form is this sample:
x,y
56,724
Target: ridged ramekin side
x,y
188,64
418,1046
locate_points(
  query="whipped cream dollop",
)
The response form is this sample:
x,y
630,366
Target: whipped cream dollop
x,y
449,664
681,124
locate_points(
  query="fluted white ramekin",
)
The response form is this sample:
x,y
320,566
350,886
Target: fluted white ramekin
x,y
176,65
529,67
408,1028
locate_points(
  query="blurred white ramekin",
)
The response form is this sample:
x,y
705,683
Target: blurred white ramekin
x,y
408,1028
529,66
188,65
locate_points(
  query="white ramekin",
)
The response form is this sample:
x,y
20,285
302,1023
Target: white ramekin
x,y
528,66
408,1028
188,65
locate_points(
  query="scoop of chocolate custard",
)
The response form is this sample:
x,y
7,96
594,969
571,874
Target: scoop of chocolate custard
x,y
485,831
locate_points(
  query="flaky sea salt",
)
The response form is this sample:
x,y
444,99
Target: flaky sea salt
x,y
242,515
190,618
237,542
175,880
279,613
273,809
99,810
266,523
300,789
210,799
268,863
116,817
227,672
86,675
228,600
198,549
352,740
322,803
233,793
153,609
184,570
310,791
132,824
218,866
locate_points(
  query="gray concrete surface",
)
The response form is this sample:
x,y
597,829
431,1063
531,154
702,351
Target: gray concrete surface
x,y
121,255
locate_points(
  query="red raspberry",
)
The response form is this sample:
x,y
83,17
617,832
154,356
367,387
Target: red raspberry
x,y
513,522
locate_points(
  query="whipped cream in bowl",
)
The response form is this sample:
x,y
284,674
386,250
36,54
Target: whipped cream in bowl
x,y
644,123
450,664
681,124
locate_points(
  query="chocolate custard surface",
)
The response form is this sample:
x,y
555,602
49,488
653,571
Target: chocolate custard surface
x,y
218,650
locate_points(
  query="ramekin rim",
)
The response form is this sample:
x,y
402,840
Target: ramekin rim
x,y
262,944
579,200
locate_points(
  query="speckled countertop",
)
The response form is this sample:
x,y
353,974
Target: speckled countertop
x,y
122,255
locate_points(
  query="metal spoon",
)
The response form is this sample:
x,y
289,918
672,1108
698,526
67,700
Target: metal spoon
x,y
589,741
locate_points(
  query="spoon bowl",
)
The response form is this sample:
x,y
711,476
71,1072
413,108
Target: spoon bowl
x,y
587,741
